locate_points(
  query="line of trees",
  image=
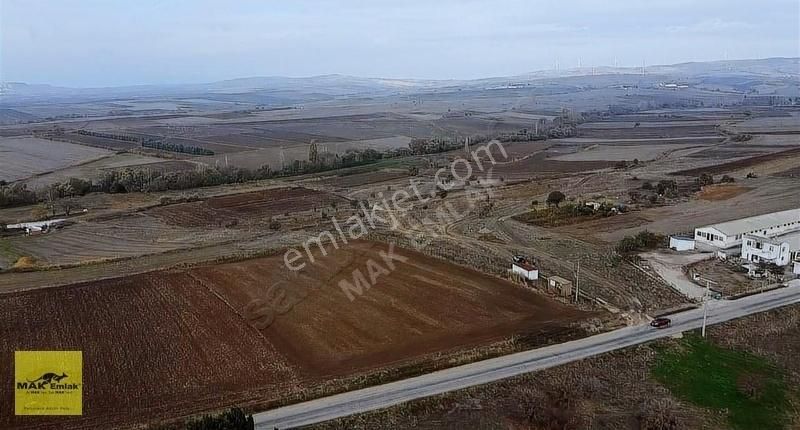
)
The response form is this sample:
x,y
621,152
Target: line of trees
x,y
172,147
104,135
145,180
149,142
131,180
435,145
55,196
16,194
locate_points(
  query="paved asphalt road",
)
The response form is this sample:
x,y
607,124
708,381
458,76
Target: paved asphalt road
x,y
482,372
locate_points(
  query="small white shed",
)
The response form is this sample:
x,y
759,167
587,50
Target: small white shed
x,y
681,243
526,270
797,268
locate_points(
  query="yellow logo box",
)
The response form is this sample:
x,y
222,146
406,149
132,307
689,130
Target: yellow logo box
x,y
48,382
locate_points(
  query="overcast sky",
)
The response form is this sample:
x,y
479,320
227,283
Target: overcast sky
x,y
105,43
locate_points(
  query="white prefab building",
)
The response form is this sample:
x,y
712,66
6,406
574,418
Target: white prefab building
x,y
797,268
527,271
780,250
36,227
729,235
681,243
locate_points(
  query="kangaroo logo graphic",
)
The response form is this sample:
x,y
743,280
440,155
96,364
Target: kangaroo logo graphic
x,y
49,378
48,383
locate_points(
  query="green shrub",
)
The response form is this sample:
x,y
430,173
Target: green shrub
x,y
555,198
642,241
233,419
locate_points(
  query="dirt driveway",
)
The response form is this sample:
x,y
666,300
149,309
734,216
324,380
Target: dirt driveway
x,y
670,267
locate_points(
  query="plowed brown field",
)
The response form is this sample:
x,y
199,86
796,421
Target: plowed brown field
x,y
154,346
424,305
255,206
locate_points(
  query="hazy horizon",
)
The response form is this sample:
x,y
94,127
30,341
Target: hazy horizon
x,y
586,69
99,44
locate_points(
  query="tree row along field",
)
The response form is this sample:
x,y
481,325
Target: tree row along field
x,y
178,226
187,330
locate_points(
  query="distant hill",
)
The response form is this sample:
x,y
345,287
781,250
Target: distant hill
x,y
12,116
739,75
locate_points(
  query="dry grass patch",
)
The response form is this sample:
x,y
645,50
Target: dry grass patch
x,y
720,192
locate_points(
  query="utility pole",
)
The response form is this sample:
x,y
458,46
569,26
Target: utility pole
x,y
705,306
705,309
577,275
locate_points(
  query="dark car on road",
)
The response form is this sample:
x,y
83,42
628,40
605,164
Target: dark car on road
x,y
661,322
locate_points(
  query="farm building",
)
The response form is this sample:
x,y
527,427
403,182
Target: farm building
x,y
560,285
526,270
36,227
727,237
594,205
681,243
780,250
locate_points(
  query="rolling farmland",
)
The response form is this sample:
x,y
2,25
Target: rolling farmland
x,y
120,237
167,343
168,271
443,305
153,345
254,207
27,156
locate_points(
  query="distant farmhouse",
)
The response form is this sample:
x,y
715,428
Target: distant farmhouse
x,y
673,85
36,227
769,238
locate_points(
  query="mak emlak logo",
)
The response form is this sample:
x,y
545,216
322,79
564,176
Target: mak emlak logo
x,y
48,382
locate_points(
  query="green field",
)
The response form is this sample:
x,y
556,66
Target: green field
x,y
7,253
753,393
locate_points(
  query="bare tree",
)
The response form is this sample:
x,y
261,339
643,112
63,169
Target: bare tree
x,y
51,197
67,204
